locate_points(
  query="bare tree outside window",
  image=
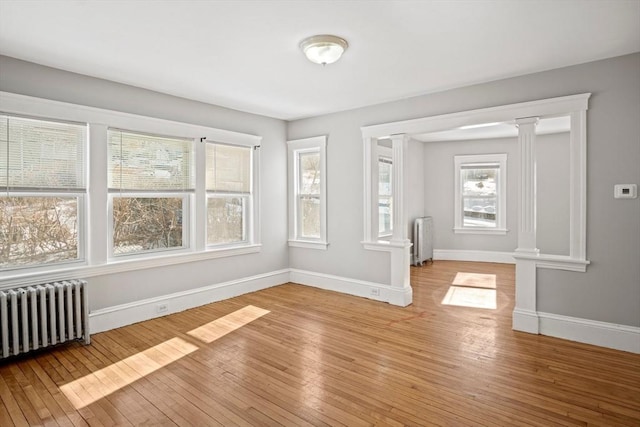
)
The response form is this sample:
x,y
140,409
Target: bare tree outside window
x,y
153,165
309,194
38,230
146,223
225,220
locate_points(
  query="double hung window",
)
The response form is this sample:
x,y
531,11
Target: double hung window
x,y
385,195
480,187
229,193
42,179
307,193
151,183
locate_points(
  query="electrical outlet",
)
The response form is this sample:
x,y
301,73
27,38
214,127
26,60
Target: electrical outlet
x,y
162,308
375,292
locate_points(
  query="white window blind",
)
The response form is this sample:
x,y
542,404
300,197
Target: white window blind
x,y
139,162
42,183
228,168
41,155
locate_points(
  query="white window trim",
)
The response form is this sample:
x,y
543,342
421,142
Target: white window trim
x,y
81,193
187,203
384,152
480,160
252,208
319,144
97,261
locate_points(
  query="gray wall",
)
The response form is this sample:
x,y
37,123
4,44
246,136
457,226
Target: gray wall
x,y
610,290
552,164
552,158
439,187
36,80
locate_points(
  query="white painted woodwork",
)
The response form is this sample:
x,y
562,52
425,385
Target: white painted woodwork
x,y
527,194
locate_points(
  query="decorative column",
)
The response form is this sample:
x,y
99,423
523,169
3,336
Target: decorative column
x,y
525,315
527,194
400,243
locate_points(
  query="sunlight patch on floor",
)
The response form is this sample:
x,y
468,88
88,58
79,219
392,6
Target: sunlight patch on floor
x,y
103,382
470,297
218,328
472,290
99,384
475,280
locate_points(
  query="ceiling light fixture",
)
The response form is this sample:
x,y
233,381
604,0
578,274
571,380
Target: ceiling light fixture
x,y
323,49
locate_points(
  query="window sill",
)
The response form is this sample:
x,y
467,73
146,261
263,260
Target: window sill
x,y
25,278
495,231
555,262
307,244
385,245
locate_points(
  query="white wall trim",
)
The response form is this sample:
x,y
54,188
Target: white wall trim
x,y
603,334
49,109
473,255
609,335
14,278
502,113
524,320
360,288
555,262
138,311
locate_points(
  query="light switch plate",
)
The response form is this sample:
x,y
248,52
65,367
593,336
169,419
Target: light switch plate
x,y
625,191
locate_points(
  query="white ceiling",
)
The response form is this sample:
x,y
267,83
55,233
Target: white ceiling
x,y
244,54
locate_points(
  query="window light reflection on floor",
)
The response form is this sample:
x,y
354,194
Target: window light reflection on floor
x,y
99,384
103,382
472,290
220,327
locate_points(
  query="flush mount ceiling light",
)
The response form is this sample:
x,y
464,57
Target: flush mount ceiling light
x,y
323,49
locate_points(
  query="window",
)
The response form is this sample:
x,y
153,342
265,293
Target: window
x,y
42,178
385,194
480,191
229,193
307,193
151,182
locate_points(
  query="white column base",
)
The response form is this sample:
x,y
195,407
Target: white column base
x,y
526,321
401,272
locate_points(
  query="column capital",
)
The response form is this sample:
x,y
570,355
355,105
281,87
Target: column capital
x,y
527,120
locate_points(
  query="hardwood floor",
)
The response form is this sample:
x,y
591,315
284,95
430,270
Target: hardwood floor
x,y
295,355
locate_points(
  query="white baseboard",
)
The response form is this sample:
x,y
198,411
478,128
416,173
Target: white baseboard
x,y
360,288
525,321
619,337
473,255
603,334
126,314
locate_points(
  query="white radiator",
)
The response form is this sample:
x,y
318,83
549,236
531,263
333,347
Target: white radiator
x,y
422,240
39,316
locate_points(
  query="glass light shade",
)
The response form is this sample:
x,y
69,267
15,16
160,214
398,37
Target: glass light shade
x,y
323,49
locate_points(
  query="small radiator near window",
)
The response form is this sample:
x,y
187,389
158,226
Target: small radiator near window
x,y
422,240
39,316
